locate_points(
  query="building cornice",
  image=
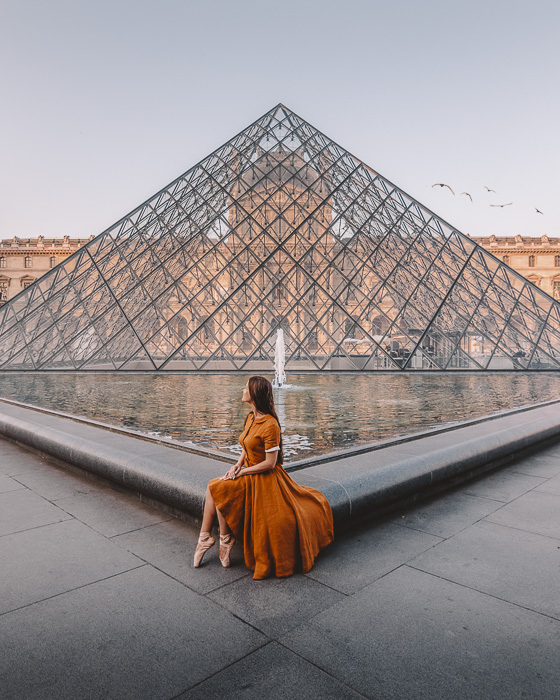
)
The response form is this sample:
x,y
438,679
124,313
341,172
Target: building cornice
x,y
523,251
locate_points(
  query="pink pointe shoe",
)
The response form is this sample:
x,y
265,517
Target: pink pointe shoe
x,y
205,541
226,544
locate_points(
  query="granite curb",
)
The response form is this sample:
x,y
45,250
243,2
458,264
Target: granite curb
x,y
172,485
356,487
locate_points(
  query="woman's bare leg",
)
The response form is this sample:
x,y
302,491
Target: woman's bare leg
x,y
210,512
224,527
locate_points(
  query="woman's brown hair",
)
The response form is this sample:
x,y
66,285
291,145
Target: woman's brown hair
x,y
260,391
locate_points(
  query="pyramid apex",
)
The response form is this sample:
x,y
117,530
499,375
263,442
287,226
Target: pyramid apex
x,y
281,106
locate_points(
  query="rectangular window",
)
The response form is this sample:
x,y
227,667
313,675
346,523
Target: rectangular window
x,y
557,261
3,291
531,261
28,261
26,284
556,290
3,262
506,259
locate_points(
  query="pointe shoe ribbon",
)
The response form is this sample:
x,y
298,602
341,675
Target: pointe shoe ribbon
x,y
204,543
226,544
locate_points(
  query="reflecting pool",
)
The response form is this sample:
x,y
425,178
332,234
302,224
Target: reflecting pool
x,y
319,413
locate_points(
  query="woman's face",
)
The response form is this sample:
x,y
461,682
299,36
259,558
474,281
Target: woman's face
x,y
246,398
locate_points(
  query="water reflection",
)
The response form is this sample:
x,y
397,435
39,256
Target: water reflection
x,y
319,413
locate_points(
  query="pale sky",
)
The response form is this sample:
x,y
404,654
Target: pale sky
x,y
104,102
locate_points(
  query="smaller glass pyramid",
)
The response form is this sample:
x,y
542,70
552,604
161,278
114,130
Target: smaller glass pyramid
x,y
280,228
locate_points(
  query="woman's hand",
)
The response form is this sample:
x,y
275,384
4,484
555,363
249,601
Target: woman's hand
x,y
232,473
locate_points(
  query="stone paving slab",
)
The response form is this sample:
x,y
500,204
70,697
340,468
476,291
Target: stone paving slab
x,y
23,510
136,635
546,468
11,463
550,486
533,512
53,484
271,673
349,564
9,484
389,630
110,512
47,561
507,563
503,485
448,515
412,635
170,546
544,463
276,606
8,448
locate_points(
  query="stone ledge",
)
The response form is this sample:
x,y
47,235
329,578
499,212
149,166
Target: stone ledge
x,y
357,487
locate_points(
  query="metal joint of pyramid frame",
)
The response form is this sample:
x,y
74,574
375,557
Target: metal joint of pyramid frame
x,y
280,228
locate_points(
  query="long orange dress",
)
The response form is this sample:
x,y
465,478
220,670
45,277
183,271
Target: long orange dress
x,y
282,525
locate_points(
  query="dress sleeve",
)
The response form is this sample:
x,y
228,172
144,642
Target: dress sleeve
x,y
271,436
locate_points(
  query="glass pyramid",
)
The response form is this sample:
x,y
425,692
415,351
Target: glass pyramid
x,y
280,228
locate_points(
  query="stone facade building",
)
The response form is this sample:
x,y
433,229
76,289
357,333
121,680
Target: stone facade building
x,y
537,259
23,260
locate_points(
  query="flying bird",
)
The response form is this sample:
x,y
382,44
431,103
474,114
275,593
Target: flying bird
x,y
538,211
502,205
489,190
468,195
442,184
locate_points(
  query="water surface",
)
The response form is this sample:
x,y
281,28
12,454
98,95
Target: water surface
x,y
318,413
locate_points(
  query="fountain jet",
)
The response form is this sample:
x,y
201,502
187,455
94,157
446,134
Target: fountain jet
x,y
279,360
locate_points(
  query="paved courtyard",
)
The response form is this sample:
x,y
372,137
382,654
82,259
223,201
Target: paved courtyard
x,y
457,598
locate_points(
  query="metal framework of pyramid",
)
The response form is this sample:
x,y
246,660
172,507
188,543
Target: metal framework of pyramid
x,y
280,228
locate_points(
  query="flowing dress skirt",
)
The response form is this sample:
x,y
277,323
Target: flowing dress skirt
x,y
282,525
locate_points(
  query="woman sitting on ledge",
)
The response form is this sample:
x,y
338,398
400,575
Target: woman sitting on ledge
x,y
283,525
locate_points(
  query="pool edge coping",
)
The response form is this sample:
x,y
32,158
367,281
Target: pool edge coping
x,y
365,490
296,465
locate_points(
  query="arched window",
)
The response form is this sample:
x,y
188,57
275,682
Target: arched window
x,y
349,328
313,341
28,262
378,325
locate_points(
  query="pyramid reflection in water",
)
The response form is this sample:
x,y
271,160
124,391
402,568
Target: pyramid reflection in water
x,y
280,228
